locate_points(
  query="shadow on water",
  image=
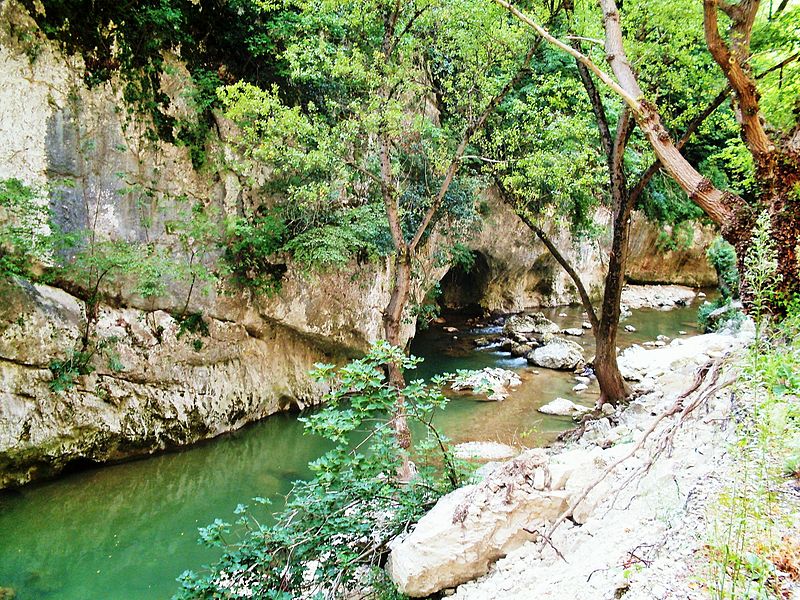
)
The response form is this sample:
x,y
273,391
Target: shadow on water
x,y
127,531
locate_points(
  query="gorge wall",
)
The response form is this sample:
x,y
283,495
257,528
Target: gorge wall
x,y
95,165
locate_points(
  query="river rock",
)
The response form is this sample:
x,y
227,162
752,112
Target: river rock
x,y
586,325
518,350
580,387
535,323
506,344
558,354
493,382
563,408
630,328
470,528
573,331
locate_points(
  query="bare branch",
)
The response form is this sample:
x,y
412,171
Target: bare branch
x,y
509,199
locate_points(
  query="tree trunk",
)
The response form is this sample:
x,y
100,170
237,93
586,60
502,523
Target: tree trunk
x,y
392,326
612,387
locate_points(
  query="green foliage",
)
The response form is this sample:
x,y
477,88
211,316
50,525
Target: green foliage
x,y
335,527
722,257
79,361
249,251
66,371
24,229
761,269
194,324
324,152
748,541
193,132
731,317
346,234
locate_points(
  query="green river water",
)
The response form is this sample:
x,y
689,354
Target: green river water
x,y
126,531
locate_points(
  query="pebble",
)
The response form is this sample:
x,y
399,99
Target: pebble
x,y
563,315
630,328
580,387
586,325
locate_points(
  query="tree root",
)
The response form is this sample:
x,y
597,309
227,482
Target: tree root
x,y
663,442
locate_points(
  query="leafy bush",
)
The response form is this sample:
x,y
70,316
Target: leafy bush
x,y
350,233
333,533
731,316
722,257
66,371
24,229
250,247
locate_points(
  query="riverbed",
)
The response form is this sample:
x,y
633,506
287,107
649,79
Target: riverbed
x,y
126,531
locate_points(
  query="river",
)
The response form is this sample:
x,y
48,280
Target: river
x,y
126,531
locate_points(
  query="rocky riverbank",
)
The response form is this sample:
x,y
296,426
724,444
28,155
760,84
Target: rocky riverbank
x,y
588,520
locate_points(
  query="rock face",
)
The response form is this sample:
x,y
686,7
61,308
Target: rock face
x,y
162,393
558,353
513,273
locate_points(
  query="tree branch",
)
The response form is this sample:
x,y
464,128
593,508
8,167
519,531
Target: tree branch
x,y
630,100
733,66
462,147
597,106
508,199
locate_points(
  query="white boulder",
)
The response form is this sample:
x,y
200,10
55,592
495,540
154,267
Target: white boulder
x,y
470,528
563,408
558,353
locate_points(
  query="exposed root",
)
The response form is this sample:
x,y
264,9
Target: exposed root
x,y
663,442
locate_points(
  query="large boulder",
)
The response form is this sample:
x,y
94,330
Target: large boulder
x,y
558,353
532,324
470,528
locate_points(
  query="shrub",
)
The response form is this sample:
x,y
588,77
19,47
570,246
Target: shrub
x,y
250,247
334,530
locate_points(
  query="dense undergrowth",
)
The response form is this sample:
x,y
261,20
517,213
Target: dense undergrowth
x,y
753,544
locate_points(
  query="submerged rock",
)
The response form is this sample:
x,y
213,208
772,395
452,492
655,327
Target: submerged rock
x,y
558,353
562,407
